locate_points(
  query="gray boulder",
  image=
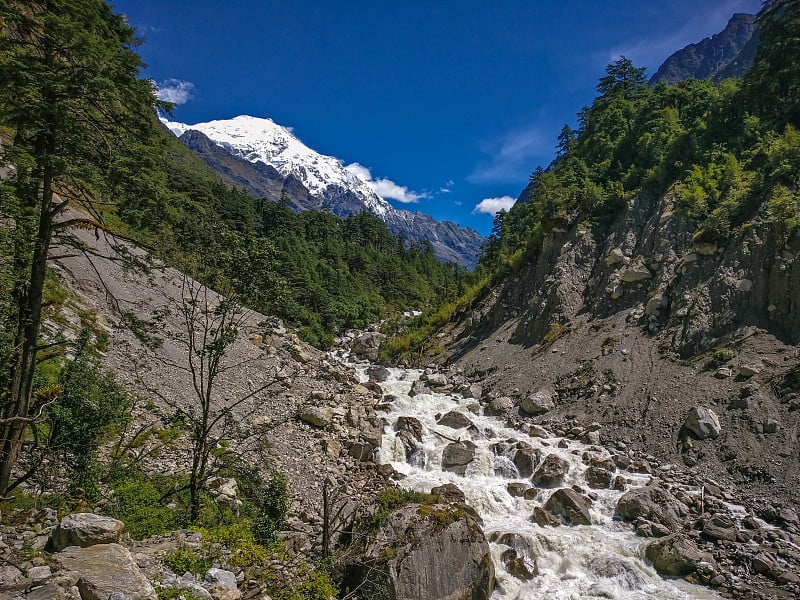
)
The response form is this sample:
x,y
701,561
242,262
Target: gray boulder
x,y
378,373
105,569
538,403
598,478
551,472
655,504
499,406
675,555
436,552
412,425
526,458
569,507
454,420
367,345
458,455
315,415
703,423
85,529
419,387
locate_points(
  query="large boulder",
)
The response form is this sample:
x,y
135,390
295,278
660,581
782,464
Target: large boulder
x,y
526,458
655,504
551,472
675,555
378,373
85,529
455,420
367,345
538,403
458,455
703,423
436,552
569,507
315,415
105,569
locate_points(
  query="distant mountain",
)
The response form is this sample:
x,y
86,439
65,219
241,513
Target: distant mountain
x,y
267,160
726,54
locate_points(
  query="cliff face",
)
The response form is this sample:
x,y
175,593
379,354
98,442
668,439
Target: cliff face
x,y
634,325
726,54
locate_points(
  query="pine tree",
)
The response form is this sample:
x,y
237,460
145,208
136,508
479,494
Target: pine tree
x,y
71,96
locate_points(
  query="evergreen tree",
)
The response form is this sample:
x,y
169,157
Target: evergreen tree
x,y
71,95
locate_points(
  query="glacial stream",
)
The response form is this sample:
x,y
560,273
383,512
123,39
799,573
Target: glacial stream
x,y
602,560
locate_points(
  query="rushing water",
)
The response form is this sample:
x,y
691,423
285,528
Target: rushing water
x,y
603,560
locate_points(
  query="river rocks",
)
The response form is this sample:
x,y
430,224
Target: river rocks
x,y
653,503
551,472
449,493
85,529
315,415
598,478
105,569
499,406
569,506
435,552
525,459
719,527
767,564
703,423
521,567
367,345
378,373
454,420
543,518
419,387
458,455
412,425
435,380
538,403
675,555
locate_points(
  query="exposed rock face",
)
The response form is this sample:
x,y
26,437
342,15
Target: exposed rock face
x,y
675,555
569,506
653,503
414,556
726,54
85,529
104,570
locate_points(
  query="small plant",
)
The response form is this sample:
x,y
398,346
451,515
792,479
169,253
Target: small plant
x,y
186,560
554,333
609,344
274,506
389,500
719,357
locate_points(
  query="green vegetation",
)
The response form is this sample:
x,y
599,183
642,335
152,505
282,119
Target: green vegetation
x,y
389,500
724,154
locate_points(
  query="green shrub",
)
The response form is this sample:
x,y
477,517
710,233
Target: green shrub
x,y
184,559
138,502
272,513
389,500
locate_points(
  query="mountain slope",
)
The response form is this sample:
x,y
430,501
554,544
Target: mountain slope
x,y
267,160
726,54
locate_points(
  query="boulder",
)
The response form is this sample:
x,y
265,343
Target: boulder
x,y
538,403
516,489
719,527
85,529
454,420
473,390
458,455
419,387
367,345
450,493
105,569
521,567
315,415
544,518
636,271
675,555
655,504
569,507
435,380
526,458
436,552
551,472
703,423
378,373
499,406
410,424
598,478
614,257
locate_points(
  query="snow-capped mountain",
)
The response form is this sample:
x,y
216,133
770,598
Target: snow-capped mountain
x,y
269,161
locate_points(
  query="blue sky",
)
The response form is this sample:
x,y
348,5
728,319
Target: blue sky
x,y
456,102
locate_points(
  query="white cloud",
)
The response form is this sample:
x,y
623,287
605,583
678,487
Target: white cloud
x,y
385,188
174,90
492,206
513,156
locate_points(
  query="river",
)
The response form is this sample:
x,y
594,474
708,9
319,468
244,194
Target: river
x,y
601,560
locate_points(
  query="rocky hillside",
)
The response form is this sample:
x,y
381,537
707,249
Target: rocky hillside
x,y
267,161
728,53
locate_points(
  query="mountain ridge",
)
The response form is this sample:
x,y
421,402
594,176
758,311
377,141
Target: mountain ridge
x,y
267,160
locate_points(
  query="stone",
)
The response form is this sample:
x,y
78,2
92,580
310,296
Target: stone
x,y
9,575
615,257
449,493
458,455
521,567
85,529
500,406
675,555
538,432
569,506
719,527
412,425
538,403
543,518
744,285
474,391
724,373
367,345
598,478
526,459
749,370
38,574
316,416
436,380
636,271
516,489
216,576
105,569
454,420
655,304
419,387
436,552
378,373
362,451
703,423
551,472
654,503
770,426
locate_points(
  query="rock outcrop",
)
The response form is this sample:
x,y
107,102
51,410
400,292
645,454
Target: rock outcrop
x,y
85,529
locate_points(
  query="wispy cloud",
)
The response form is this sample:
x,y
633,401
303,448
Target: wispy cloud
x,y
706,20
513,156
492,206
175,90
386,188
